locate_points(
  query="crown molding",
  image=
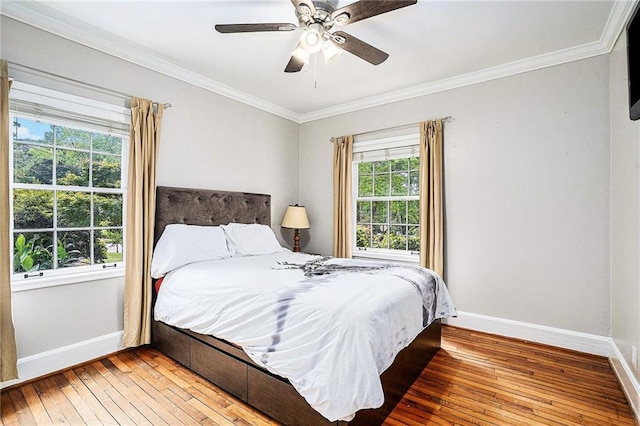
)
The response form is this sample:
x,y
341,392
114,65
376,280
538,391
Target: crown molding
x,y
35,14
615,24
39,16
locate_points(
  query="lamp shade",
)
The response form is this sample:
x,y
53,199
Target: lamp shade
x,y
295,218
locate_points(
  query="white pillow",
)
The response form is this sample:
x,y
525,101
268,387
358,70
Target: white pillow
x,y
182,244
251,239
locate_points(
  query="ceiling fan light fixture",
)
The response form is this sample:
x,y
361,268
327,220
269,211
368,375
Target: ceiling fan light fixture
x,y
301,54
330,51
311,39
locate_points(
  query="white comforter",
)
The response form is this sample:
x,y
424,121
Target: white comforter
x,y
331,335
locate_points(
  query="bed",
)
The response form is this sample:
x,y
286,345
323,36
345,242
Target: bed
x,y
231,368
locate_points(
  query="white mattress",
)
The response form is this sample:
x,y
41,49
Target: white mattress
x,y
331,335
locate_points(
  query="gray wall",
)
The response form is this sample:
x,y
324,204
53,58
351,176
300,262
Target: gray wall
x,y
208,141
528,168
625,211
526,188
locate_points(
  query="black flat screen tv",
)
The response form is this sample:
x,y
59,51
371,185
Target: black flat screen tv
x,y
633,64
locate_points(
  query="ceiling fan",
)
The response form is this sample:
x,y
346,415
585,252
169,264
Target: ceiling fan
x,y
316,18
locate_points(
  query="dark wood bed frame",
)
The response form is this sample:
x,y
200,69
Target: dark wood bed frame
x,y
226,365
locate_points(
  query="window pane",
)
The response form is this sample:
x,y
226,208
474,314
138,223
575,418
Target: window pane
x,y
363,236
74,249
400,164
380,236
364,212
414,212
414,163
32,251
73,138
398,213
74,209
32,209
32,131
380,212
109,243
414,183
365,168
32,164
106,171
414,238
365,186
381,185
72,168
398,237
399,183
381,166
107,210
107,143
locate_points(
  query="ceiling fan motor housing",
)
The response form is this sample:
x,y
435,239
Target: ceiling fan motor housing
x,y
323,11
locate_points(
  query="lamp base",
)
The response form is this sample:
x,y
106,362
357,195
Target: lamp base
x,y
296,241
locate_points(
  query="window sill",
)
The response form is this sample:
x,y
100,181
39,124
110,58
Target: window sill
x,y
387,257
43,282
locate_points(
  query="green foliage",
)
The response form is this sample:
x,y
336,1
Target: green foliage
x,y
111,237
32,255
32,164
379,211
107,143
106,171
22,258
363,236
67,254
413,240
381,166
74,209
73,138
32,209
72,167
107,209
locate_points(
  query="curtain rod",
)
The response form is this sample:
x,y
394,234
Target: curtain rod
x,y
78,83
445,119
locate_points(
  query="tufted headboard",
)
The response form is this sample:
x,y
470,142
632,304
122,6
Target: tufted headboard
x,y
208,207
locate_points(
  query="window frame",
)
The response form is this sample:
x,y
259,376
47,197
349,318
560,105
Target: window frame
x,y
383,145
81,114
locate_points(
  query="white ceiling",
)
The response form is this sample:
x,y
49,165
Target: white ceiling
x,y
432,46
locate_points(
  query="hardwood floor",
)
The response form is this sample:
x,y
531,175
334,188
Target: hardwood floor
x,y
476,379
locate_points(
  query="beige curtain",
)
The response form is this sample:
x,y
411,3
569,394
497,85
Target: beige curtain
x,y
141,205
431,208
9,369
342,159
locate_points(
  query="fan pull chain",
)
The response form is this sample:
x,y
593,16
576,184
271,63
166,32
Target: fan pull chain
x,y
315,70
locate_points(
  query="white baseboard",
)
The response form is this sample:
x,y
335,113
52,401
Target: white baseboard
x,y
574,340
627,380
57,359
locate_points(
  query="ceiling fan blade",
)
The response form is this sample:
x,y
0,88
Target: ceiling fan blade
x,y
366,9
359,48
252,28
295,64
304,7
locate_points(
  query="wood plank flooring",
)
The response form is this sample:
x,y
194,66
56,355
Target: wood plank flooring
x,y
476,379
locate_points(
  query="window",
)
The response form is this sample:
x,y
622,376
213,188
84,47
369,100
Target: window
x,y
386,197
68,185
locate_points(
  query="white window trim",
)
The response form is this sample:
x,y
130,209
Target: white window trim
x,y
389,255
88,107
383,145
68,278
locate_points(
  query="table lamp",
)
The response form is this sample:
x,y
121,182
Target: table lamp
x,y
296,218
